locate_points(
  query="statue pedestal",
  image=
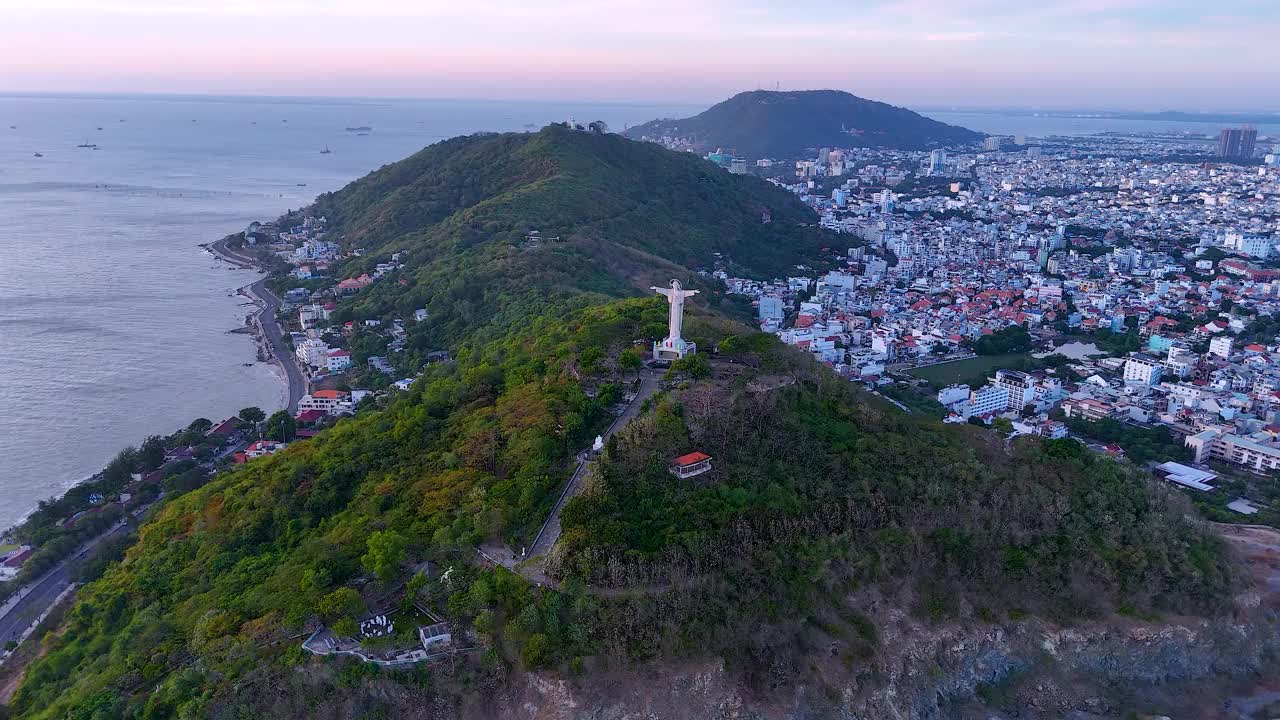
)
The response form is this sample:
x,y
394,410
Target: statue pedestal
x,y
669,350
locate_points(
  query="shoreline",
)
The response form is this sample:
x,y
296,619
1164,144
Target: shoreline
x,y
267,335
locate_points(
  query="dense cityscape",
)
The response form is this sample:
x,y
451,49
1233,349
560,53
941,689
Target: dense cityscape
x,y
1148,262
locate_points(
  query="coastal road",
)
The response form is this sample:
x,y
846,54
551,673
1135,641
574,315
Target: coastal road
x,y
38,596
275,338
270,305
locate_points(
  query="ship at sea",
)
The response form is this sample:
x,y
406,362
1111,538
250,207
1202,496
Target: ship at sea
x,y
326,150
360,129
87,144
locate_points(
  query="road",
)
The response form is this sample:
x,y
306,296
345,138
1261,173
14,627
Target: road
x,y
41,594
269,305
550,532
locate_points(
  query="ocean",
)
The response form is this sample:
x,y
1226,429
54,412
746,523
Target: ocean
x,y
114,322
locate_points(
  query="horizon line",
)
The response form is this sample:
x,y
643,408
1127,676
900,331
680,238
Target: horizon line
x,y
352,99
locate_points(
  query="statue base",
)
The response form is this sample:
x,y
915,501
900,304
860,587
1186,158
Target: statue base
x,y
669,350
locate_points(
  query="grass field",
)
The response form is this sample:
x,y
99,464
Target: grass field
x,y
964,370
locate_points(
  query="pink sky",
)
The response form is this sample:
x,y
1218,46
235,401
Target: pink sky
x,y
1151,54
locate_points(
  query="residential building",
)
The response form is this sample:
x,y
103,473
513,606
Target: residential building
x,y
1221,346
988,399
1143,369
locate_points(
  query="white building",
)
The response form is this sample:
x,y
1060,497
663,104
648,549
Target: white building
x,y
1220,346
1142,369
988,399
313,352
952,394
338,360
1249,243
771,307
329,402
1019,385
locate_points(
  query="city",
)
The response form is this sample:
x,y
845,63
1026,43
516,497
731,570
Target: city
x,y
1148,263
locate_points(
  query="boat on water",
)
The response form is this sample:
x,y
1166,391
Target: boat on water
x,y
302,184
99,127
39,154
87,144
326,150
360,129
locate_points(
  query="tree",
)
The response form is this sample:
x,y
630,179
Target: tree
x,y
252,414
695,366
1003,425
589,360
200,425
343,602
281,426
385,554
630,360
151,454
535,652
345,627
416,584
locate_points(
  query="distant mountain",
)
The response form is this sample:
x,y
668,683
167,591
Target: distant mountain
x,y
763,123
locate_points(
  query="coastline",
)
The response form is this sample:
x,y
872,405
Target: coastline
x,y
268,337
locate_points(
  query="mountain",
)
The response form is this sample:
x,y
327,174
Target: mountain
x,y
834,539
627,215
787,125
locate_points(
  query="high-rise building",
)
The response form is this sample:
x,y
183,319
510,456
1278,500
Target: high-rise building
x,y
1237,142
937,162
992,143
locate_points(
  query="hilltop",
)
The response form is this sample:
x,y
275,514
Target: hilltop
x,y
615,216
833,535
762,123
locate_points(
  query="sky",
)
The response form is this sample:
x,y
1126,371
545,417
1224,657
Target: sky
x,y
1106,54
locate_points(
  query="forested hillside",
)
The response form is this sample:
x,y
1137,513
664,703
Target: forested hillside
x,y
626,215
818,493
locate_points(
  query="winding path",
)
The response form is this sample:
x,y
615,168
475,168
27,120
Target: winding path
x,y
530,565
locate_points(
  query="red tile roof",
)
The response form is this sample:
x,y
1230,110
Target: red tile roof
x,y
691,458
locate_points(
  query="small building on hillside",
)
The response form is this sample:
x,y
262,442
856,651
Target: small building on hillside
x,y
693,464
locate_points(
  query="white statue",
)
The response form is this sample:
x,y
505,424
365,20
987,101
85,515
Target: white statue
x,y
599,444
674,346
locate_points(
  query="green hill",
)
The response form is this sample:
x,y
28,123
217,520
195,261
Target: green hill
x,y
627,215
767,124
819,493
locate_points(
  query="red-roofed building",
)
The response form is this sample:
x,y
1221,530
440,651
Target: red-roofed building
x,y
263,447
338,360
225,428
307,417
687,466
